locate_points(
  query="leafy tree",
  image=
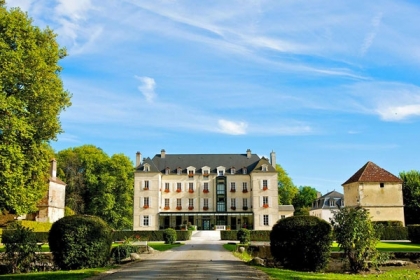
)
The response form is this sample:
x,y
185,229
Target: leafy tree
x,y
411,196
287,190
98,184
31,99
303,200
356,236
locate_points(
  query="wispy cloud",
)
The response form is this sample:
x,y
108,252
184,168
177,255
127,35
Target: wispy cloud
x,y
233,128
369,38
147,88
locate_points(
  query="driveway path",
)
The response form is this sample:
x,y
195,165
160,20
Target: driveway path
x,y
200,258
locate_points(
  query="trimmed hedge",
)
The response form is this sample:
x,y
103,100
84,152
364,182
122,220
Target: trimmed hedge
x,y
414,233
301,243
149,235
169,235
392,233
243,236
388,223
256,235
80,241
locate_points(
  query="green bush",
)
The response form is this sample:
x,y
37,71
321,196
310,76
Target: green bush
x,y
389,223
229,235
35,226
243,236
21,249
301,243
122,251
391,232
150,235
169,235
68,211
183,235
414,233
260,235
80,241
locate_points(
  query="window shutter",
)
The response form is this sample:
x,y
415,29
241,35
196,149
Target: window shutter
x,y
268,184
141,202
261,184
261,220
261,201
151,221
141,221
269,202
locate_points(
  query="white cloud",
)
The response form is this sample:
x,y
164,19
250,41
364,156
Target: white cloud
x,y
233,128
398,113
147,88
369,38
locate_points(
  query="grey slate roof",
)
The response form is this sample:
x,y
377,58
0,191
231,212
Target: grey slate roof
x,y
323,202
286,208
175,161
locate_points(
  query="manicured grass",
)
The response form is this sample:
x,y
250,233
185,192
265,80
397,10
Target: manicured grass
x,y
44,248
58,275
162,246
275,273
389,247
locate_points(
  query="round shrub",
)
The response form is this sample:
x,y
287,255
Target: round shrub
x,y
169,235
80,241
243,236
301,243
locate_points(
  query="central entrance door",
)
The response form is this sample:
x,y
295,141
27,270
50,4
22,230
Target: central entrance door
x,y
206,224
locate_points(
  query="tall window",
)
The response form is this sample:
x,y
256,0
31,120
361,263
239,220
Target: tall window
x,y
232,187
265,184
178,203
266,220
146,185
206,203
245,202
166,203
178,187
166,187
206,187
191,203
146,202
146,221
233,203
191,187
245,187
265,201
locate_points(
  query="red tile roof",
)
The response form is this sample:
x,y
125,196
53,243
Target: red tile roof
x,y
370,172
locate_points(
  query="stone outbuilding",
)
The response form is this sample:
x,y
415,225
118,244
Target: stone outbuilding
x,y
377,190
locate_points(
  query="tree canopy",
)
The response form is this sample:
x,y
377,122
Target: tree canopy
x,y
286,189
303,200
411,196
98,184
31,99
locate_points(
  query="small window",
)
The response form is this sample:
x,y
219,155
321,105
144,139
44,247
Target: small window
x,y
232,187
381,185
191,203
232,170
265,201
167,171
245,202
178,203
233,203
283,216
206,203
146,185
244,170
146,221
191,187
206,173
166,187
266,220
146,168
179,171
265,184
206,187
146,202
245,187
190,173
178,187
166,203
264,168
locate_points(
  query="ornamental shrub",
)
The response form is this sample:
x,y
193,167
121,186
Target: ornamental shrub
x,y
80,241
169,235
122,251
244,236
414,233
301,243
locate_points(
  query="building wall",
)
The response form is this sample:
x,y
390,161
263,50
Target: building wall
x,y
325,214
257,200
384,203
52,206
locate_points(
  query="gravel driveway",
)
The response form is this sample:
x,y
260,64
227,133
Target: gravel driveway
x,y
201,258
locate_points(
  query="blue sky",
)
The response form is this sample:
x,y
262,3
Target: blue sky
x,y
327,85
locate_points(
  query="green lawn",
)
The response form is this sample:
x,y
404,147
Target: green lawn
x,y
390,247
58,275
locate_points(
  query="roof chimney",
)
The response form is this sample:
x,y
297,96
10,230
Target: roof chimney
x,y
53,167
138,158
162,153
248,153
273,159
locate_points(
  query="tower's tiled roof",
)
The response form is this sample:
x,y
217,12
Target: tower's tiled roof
x,y
370,172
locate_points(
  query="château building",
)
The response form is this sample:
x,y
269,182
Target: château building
x,y
206,190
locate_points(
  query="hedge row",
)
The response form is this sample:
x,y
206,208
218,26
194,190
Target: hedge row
x,y
256,235
150,235
388,223
414,233
40,237
392,233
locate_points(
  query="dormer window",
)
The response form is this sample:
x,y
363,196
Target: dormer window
x,y
179,171
244,170
221,171
232,170
146,167
264,168
167,171
191,171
